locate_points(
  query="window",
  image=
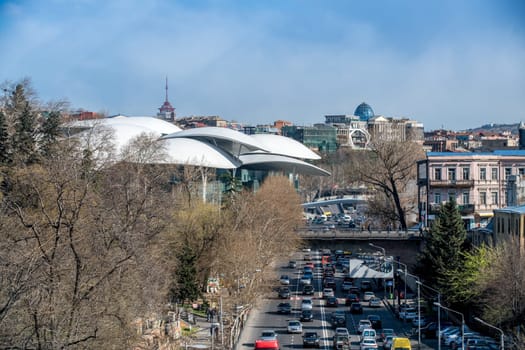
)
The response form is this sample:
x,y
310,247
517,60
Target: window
x,y
483,198
451,174
466,173
437,198
437,173
521,171
483,173
466,196
508,172
494,174
494,196
451,196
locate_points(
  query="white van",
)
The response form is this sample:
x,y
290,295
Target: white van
x,y
369,333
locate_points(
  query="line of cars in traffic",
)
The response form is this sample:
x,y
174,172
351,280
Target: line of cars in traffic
x,y
355,296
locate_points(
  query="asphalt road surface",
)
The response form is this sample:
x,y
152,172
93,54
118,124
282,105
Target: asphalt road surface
x,y
265,316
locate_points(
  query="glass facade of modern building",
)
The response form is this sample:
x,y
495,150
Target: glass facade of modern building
x,y
320,137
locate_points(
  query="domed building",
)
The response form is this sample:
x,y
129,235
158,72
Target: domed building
x,y
364,112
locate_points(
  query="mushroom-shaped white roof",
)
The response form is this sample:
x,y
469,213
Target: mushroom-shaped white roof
x,y
265,161
285,146
149,124
230,140
193,152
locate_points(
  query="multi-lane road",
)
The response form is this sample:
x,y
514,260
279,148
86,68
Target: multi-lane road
x,y
265,315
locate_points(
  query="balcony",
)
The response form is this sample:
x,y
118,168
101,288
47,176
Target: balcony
x,y
451,183
466,209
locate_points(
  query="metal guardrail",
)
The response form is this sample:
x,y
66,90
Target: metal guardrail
x,y
320,234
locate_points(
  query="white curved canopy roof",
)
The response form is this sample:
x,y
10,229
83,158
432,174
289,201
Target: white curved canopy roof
x,y
285,146
230,140
149,124
193,152
272,162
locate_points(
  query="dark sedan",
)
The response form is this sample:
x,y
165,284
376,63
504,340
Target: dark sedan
x,y
307,316
332,302
284,292
356,308
311,340
351,298
284,308
375,320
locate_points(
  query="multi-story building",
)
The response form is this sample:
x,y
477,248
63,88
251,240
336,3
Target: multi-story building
x,y
479,182
509,223
356,131
320,137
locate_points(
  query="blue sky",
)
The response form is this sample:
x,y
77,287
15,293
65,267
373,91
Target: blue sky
x,y
447,63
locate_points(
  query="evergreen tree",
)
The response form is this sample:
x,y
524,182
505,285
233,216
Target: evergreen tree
x,y
24,143
50,132
186,286
5,150
443,248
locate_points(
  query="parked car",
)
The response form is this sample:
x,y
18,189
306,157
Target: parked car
x,y
368,295
311,340
284,308
292,264
419,321
356,308
295,326
408,314
284,293
307,316
374,302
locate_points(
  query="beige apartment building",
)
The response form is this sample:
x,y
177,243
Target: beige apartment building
x,y
479,182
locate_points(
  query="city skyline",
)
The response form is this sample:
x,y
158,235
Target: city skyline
x,y
444,63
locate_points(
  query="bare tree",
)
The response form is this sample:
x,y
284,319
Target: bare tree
x,y
390,168
79,236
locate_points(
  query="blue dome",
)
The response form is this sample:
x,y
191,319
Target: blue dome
x,y
364,111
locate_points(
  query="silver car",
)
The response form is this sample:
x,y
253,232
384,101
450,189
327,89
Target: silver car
x,y
295,326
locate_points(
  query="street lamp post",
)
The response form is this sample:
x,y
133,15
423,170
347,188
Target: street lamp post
x,y
462,321
439,311
384,259
502,338
418,304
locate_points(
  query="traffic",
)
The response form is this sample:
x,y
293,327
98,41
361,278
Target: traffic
x,y
315,303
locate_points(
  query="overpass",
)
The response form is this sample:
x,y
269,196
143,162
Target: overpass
x,y
403,244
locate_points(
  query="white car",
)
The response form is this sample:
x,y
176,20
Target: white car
x,y
306,279
307,304
408,314
328,293
342,331
268,334
368,295
285,280
295,326
363,324
368,343
374,302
